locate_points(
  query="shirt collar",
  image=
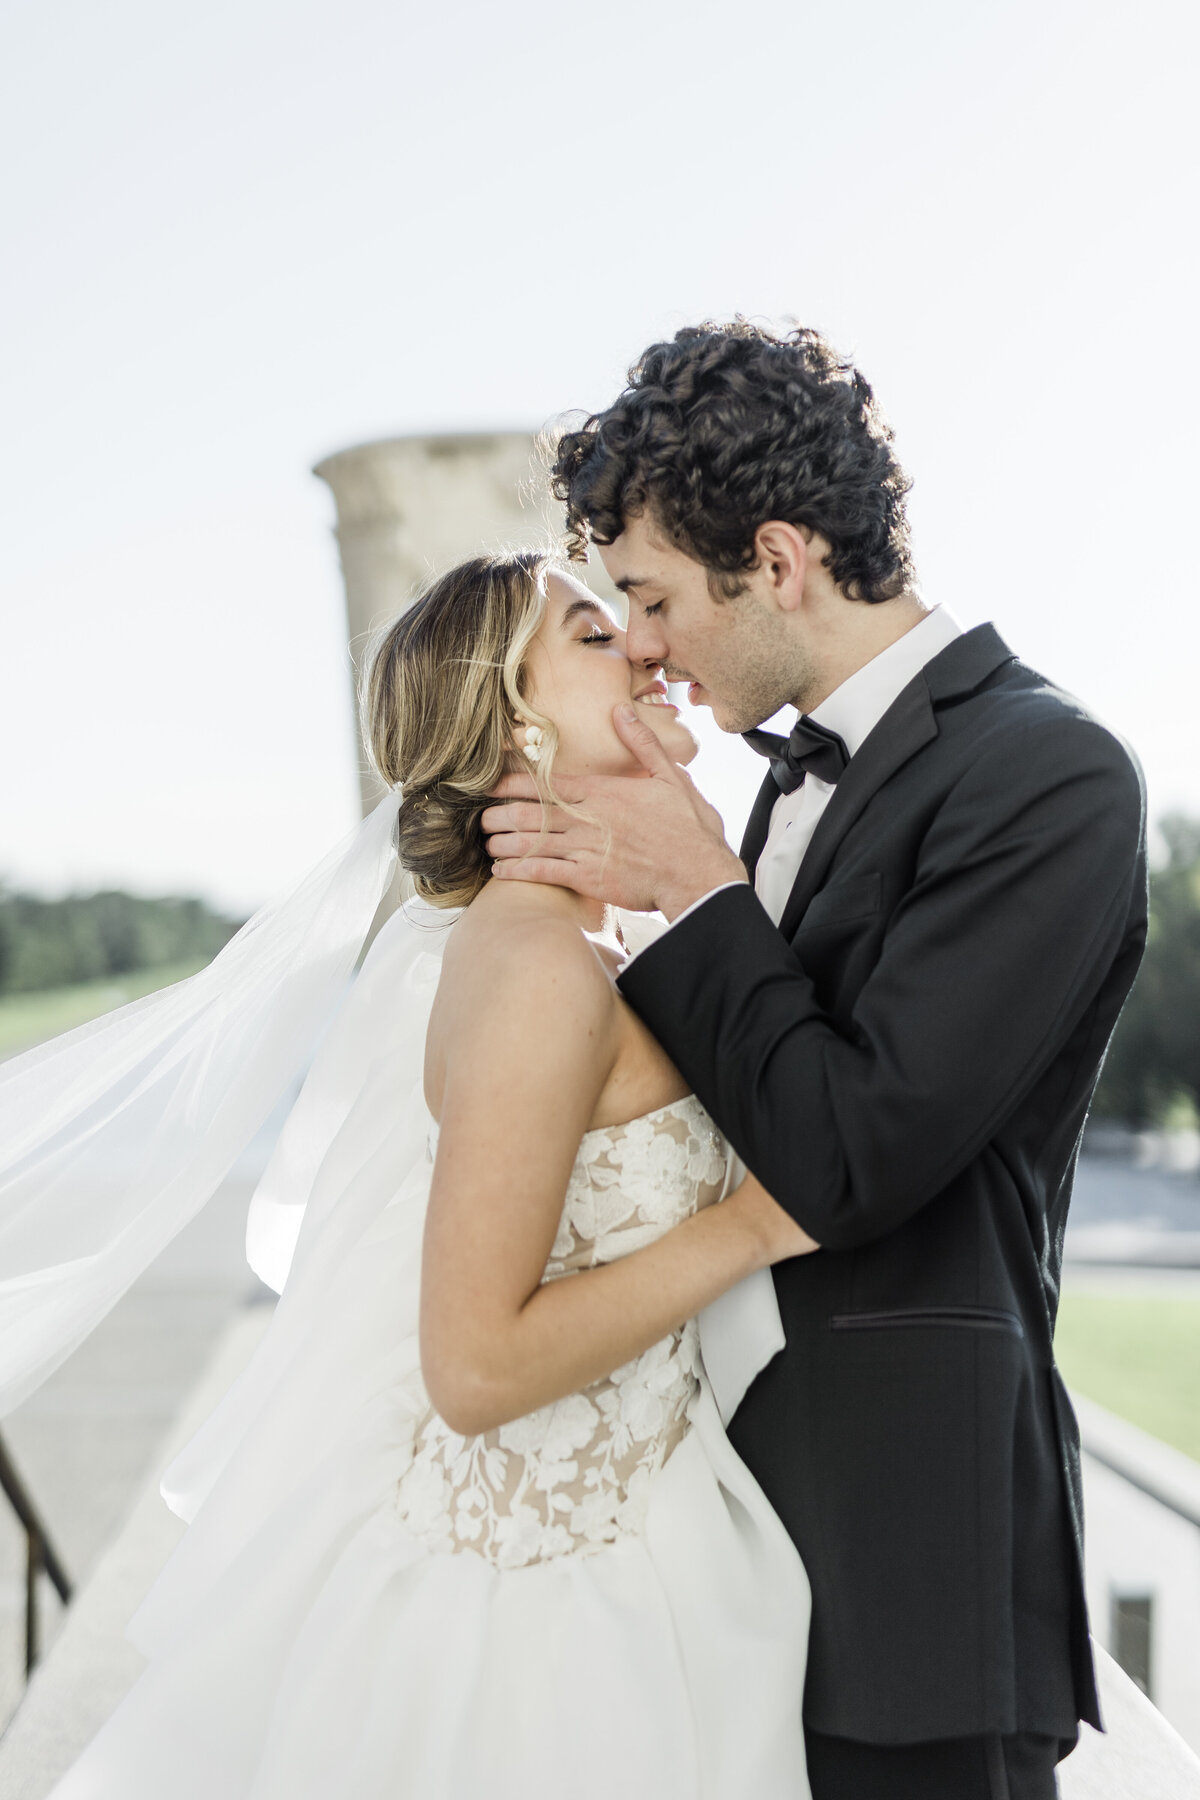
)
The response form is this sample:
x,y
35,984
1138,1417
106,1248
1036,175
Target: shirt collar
x,y
854,709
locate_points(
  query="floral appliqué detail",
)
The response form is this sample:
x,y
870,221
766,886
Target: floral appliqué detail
x,y
576,1474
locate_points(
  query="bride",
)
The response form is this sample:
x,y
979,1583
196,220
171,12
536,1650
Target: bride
x,y
469,1523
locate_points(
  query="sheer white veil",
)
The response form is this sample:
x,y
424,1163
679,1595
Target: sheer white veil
x,y
114,1135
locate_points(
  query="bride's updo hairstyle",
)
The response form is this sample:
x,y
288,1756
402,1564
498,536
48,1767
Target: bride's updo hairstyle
x,y
442,702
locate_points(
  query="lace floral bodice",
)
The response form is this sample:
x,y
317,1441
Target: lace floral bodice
x,y
575,1475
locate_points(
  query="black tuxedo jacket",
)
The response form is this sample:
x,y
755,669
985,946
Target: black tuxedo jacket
x,y
906,1064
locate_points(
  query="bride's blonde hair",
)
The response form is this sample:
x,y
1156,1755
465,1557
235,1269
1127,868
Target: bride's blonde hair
x,y
442,701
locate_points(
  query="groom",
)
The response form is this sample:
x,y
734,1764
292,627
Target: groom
x,y
895,1003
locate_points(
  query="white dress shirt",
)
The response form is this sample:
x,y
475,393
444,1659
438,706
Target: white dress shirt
x,y
742,1331
853,711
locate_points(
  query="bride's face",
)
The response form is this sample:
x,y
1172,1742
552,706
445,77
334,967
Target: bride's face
x,y
577,672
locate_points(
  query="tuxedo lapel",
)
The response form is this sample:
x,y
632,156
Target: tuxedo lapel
x,y
905,728
908,725
758,824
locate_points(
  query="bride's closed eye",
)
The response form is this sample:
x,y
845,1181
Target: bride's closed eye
x,y
597,637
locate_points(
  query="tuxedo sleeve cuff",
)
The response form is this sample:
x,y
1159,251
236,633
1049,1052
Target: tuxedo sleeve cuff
x,y
678,920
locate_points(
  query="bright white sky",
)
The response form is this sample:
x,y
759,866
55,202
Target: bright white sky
x,y
242,235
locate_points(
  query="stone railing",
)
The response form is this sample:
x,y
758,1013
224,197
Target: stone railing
x,y
1138,1757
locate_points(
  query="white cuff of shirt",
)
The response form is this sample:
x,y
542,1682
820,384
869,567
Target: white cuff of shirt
x,y
646,920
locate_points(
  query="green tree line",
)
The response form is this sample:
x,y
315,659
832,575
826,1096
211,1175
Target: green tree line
x,y
84,937
1152,1072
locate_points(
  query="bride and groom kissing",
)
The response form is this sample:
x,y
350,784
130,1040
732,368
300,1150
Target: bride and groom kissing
x,y
733,1460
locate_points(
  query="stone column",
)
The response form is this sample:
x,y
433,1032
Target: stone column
x,y
408,508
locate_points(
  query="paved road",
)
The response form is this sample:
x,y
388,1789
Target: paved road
x,y
1123,1214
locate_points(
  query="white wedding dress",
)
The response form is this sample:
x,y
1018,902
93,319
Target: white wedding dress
x,y
594,1601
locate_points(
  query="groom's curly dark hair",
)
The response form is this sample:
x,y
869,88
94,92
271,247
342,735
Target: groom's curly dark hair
x,y
728,426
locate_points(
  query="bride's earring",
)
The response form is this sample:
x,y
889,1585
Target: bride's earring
x,y
534,736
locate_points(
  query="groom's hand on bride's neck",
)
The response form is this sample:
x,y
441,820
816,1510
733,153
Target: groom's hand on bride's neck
x,y
647,844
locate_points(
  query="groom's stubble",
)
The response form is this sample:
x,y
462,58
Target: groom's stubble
x,y
764,667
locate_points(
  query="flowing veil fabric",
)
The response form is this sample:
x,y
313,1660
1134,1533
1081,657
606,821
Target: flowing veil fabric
x,y
338,1220
114,1135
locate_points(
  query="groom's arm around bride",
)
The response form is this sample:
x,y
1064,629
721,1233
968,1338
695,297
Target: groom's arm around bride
x,y
903,1049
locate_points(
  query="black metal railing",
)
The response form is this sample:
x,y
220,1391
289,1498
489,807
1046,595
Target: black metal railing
x,y
40,1554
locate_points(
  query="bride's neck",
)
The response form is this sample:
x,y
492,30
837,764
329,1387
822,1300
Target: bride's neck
x,y
595,917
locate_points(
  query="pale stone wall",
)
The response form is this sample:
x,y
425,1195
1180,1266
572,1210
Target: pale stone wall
x,y
1142,1536
410,507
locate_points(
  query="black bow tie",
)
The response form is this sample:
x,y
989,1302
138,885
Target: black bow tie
x,y
811,749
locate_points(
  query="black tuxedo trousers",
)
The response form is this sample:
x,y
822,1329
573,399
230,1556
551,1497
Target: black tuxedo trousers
x,y
906,1064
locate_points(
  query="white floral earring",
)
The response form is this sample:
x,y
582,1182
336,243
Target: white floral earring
x,y
534,738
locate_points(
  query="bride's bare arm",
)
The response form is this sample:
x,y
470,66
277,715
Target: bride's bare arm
x,y
528,1051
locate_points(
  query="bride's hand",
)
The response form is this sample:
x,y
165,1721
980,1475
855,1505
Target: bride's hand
x,y
780,1234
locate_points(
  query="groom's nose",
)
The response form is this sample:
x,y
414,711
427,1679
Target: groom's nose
x,y
645,641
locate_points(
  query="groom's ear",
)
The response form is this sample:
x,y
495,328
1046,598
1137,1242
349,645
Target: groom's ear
x,y
782,552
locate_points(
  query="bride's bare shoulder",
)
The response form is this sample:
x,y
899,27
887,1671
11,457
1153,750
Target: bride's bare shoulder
x,y
520,981
521,935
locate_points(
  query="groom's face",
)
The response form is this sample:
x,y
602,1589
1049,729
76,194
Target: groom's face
x,y
736,655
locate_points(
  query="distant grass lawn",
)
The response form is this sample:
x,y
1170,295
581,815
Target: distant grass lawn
x,y
27,1019
1139,1356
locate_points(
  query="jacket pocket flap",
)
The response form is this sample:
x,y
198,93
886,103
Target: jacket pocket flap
x,y
893,1318
843,901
